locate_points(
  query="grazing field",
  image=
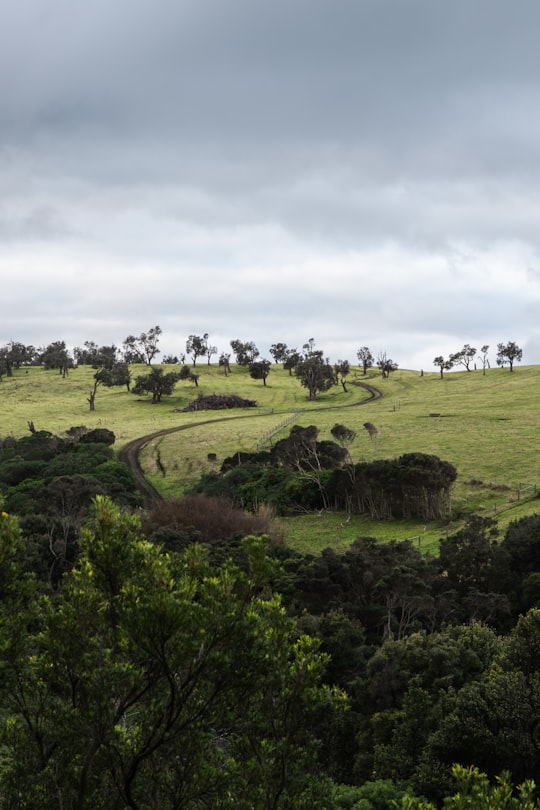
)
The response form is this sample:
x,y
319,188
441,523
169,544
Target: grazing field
x,y
488,426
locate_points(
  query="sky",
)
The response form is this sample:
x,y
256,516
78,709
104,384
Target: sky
x,y
360,172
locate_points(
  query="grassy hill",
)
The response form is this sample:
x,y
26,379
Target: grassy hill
x,y
486,425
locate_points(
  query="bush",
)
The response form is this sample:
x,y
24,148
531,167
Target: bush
x,y
213,518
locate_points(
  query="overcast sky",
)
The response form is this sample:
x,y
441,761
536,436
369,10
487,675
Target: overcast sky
x,y
363,172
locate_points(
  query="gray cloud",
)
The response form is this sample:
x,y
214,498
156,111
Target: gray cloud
x,y
357,171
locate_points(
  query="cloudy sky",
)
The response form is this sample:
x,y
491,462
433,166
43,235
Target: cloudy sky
x,y
363,172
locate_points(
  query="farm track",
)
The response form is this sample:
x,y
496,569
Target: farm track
x,y
129,454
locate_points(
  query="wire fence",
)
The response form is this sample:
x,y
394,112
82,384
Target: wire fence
x,y
272,432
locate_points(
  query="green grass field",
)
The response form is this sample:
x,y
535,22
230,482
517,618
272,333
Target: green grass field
x,y
486,425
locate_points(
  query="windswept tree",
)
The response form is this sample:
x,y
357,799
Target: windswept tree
x,y
210,351
509,352
315,373
443,363
385,364
365,358
157,383
196,346
342,369
279,352
245,352
343,435
118,375
259,370
464,357
224,362
484,358
93,391
187,374
142,349
311,459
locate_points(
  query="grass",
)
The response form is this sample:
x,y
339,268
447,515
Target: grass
x,y
486,425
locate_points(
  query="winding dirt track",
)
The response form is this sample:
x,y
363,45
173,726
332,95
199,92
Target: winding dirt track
x,y
129,454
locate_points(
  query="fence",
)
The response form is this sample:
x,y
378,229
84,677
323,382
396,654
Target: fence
x,y
272,432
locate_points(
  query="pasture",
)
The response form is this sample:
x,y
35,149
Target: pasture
x,y
486,425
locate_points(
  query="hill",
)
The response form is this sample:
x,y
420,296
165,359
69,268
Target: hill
x,y
486,425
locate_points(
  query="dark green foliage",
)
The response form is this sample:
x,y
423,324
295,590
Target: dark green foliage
x,y
103,357
343,435
521,545
219,402
156,382
117,374
414,485
196,346
342,369
509,353
245,351
318,475
315,373
186,373
55,355
279,352
365,357
156,680
259,370
98,436
51,483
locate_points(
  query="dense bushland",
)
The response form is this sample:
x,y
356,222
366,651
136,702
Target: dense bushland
x,y
50,482
302,473
179,658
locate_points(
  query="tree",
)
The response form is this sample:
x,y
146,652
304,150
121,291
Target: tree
x,y
154,680
196,346
485,362
510,352
224,362
94,355
464,357
385,364
14,355
365,357
156,383
259,370
245,353
144,348
210,352
92,395
344,435
117,375
187,374
292,358
444,365
55,355
315,374
279,352
342,370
